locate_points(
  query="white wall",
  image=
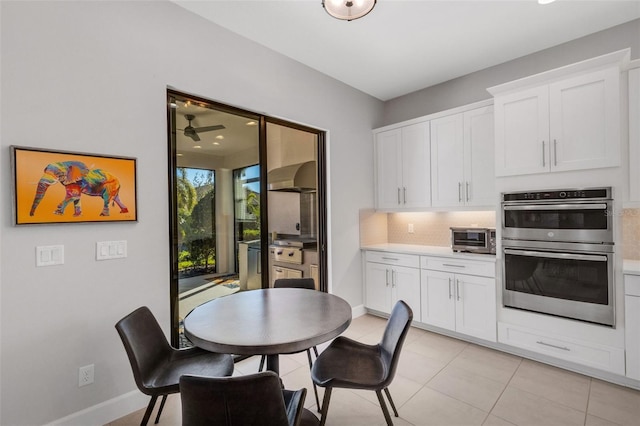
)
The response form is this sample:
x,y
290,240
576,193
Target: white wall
x,y
473,87
92,77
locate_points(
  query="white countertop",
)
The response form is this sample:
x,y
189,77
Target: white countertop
x,y
427,251
631,267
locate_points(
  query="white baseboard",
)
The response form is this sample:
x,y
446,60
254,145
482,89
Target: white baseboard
x,y
358,311
105,412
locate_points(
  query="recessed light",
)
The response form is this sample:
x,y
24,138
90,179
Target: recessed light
x,y
219,137
216,143
173,105
251,123
179,155
197,146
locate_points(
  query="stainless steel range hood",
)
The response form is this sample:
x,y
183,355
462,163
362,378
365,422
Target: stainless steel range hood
x,y
299,177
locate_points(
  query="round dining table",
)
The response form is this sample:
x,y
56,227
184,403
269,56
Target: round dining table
x,y
269,322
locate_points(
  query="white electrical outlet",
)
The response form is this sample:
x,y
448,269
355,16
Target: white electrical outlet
x,y
85,375
410,230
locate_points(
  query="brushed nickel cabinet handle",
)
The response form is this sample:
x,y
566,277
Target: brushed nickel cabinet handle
x,y
404,195
450,295
467,191
398,195
564,348
543,160
459,192
555,152
458,289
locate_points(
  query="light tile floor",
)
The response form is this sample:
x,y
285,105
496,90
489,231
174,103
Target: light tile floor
x,y
444,381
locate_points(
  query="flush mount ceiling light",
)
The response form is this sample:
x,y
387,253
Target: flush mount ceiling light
x,y
348,10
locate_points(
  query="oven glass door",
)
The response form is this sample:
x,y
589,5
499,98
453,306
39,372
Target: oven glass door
x,y
558,216
568,276
575,222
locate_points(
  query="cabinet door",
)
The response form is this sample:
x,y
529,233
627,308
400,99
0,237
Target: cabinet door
x,y
522,132
479,160
437,303
476,306
634,135
585,121
388,169
447,151
405,284
416,178
377,287
632,335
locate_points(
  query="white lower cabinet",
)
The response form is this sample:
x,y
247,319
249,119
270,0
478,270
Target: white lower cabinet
x,y
591,354
390,277
460,302
632,324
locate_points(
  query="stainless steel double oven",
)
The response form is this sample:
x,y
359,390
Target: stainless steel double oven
x,y
557,249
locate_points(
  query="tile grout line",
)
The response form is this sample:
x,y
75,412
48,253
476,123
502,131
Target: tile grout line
x,y
504,389
586,410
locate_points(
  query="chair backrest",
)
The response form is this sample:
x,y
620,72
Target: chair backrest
x,y
145,343
394,335
307,283
255,399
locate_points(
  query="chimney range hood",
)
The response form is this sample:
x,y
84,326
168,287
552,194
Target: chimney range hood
x,y
299,177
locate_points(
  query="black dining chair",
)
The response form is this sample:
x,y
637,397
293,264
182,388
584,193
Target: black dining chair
x,y
347,363
156,365
255,399
305,283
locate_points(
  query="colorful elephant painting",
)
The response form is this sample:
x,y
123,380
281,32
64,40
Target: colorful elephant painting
x,y
78,179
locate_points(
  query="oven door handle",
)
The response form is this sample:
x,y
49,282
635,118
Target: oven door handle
x,y
551,255
598,206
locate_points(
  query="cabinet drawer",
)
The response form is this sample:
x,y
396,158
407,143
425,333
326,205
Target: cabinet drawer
x,y
632,285
397,259
460,266
586,353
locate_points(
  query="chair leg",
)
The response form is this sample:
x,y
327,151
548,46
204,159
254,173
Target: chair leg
x,y
315,350
385,410
315,389
325,405
393,406
262,358
147,413
164,399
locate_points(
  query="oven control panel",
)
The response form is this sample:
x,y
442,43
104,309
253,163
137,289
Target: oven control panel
x,y
562,194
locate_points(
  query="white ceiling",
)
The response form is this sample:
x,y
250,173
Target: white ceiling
x,y
404,46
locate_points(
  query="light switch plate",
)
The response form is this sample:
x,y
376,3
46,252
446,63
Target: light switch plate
x,y
106,250
49,255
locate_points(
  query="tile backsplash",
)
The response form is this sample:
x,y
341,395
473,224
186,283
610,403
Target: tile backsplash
x,y
432,228
429,228
631,234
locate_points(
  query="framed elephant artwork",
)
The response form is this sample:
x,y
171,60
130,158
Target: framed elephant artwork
x,y
68,187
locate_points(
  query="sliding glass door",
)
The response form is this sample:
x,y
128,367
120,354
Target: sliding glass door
x,y
219,160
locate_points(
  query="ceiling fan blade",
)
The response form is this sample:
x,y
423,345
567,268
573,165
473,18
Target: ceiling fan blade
x,y
209,128
194,136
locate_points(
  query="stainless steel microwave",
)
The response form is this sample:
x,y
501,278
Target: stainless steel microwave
x,y
473,240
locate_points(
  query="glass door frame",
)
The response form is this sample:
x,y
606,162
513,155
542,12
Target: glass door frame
x,y
264,225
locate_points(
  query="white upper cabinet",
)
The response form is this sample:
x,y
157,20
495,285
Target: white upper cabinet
x,y
571,121
462,147
403,168
634,135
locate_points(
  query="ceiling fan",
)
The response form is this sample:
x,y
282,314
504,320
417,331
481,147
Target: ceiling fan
x,y
192,132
